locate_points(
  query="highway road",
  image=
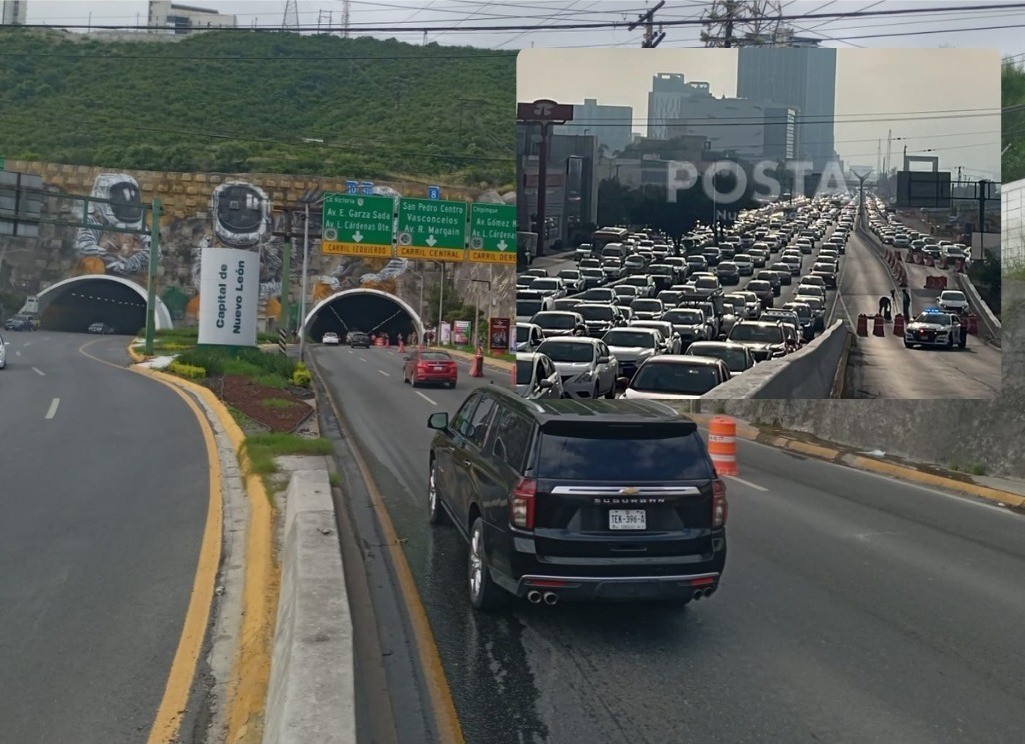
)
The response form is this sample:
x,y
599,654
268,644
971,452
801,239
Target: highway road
x,y
104,488
853,608
881,367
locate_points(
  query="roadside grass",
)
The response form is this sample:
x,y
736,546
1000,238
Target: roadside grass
x,y
974,468
263,449
276,403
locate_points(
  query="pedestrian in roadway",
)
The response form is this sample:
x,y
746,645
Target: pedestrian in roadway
x,y
907,303
884,307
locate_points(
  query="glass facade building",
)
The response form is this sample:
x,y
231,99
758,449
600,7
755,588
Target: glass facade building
x,y
799,78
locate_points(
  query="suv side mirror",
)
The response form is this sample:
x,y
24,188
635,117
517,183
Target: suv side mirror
x,y
622,383
603,360
545,384
438,421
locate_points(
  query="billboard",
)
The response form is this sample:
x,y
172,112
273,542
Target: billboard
x,y
229,296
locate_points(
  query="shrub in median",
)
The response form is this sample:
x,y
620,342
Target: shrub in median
x,y
301,377
187,371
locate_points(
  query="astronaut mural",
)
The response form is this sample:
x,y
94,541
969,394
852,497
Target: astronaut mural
x,y
102,250
240,217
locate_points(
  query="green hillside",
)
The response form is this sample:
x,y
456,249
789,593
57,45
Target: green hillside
x,y
230,101
1012,93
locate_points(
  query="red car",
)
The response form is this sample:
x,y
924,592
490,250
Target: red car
x,y
428,365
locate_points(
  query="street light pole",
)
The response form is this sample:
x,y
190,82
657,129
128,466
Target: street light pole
x,y
151,293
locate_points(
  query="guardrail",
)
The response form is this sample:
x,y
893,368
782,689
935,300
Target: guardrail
x,y
809,373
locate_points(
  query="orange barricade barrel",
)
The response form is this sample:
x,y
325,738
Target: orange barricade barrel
x,y
722,445
897,257
942,282
863,325
877,327
928,260
898,325
379,341
973,323
943,263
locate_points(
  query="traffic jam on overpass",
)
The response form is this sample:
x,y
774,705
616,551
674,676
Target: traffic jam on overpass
x,y
795,299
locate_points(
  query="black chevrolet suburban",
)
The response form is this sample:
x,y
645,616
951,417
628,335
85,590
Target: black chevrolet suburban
x,y
586,500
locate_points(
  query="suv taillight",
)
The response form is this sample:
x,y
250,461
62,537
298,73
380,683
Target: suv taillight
x,y
521,504
719,505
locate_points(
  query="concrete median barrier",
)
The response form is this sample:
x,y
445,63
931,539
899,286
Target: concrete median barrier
x,y
806,374
311,696
989,324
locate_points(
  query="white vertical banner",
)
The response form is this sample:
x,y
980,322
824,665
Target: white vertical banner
x,y
229,295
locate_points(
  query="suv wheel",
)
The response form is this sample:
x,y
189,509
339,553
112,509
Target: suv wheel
x,y
484,593
435,511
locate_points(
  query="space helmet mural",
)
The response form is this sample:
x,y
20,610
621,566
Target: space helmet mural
x,y
101,247
240,217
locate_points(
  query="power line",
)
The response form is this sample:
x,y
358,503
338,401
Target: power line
x,y
647,19
392,28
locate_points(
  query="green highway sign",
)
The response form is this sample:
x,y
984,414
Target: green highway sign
x,y
357,225
493,233
432,226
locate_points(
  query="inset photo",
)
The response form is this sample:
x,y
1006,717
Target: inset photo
x,y
764,222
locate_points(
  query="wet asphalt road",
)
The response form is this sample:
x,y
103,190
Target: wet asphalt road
x,y
853,609
104,505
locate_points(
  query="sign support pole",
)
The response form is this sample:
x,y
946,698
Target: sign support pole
x,y
151,292
302,300
286,280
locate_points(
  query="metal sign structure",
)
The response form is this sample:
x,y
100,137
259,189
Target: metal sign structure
x,y
432,229
356,225
545,113
493,233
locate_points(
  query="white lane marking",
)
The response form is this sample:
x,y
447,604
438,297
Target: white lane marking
x,y
426,398
384,373
749,484
362,359
53,408
39,371
17,353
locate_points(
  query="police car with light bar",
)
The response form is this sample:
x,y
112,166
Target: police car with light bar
x,y
935,327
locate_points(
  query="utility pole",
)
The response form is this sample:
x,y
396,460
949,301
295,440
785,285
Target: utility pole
x,y
647,19
545,113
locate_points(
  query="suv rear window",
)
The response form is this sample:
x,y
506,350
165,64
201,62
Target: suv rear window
x,y
624,453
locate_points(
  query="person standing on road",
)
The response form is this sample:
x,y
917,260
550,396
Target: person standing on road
x,y
884,307
907,303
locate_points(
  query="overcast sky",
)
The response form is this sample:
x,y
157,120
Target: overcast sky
x,y
1001,29
944,100
883,85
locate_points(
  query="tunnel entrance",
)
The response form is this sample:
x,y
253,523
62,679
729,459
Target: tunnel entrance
x,y
76,303
366,310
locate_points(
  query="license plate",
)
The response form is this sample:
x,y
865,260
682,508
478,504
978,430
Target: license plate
x,y
627,519
438,368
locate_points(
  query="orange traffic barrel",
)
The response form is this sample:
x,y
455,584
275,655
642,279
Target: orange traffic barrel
x,y
898,325
973,323
877,326
863,325
722,445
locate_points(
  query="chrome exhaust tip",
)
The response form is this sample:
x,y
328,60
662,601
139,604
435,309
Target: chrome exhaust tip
x,y
534,596
551,598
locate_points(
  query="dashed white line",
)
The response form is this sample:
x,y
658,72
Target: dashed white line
x,y
384,373
53,408
426,398
39,371
749,484
362,359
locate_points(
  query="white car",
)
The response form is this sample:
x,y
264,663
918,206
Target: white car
x,y
953,301
330,339
632,346
934,327
586,365
677,377
3,352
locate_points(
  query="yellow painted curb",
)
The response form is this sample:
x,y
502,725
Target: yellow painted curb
x,y
929,479
250,676
811,449
167,722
